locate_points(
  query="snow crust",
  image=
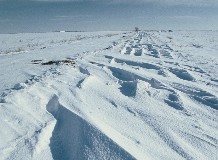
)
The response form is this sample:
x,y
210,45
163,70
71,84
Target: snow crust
x,y
147,95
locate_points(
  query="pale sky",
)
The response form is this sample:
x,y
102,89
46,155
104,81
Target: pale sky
x,y
91,15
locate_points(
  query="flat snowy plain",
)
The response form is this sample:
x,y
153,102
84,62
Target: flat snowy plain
x,y
147,95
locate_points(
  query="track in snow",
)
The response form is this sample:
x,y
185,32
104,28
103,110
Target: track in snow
x,y
138,98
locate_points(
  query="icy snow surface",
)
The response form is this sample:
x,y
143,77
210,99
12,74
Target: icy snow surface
x,y
147,95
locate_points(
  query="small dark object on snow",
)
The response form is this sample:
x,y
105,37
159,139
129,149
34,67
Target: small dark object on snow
x,y
36,61
66,62
136,29
50,63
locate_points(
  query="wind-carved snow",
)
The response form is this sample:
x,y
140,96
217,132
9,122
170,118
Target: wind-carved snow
x,y
147,95
75,138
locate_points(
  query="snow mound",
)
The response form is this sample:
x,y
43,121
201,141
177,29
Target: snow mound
x,y
75,138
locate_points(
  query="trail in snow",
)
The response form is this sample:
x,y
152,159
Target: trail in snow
x,y
137,96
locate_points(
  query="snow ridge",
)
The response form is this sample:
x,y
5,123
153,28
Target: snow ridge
x,y
137,96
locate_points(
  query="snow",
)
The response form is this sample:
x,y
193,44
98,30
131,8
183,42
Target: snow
x,y
147,95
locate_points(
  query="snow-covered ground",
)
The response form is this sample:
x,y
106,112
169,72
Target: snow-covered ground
x,y
148,95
